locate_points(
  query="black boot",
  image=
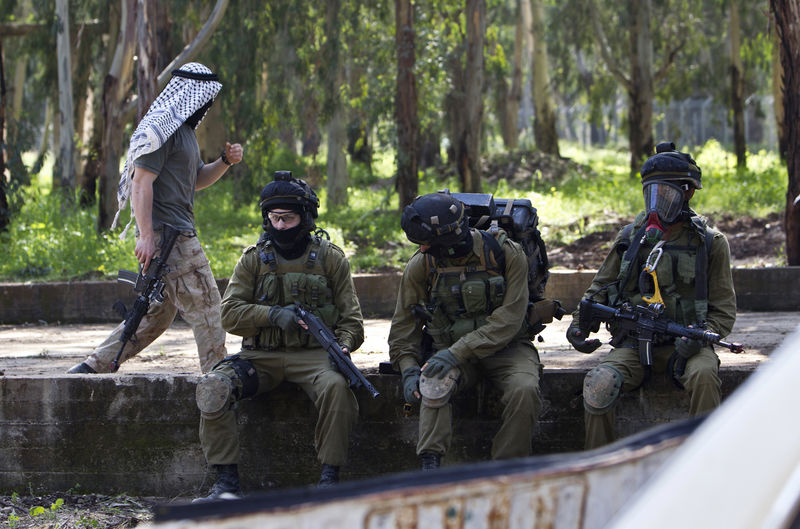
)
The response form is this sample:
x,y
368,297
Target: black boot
x,y
430,461
226,487
83,367
329,476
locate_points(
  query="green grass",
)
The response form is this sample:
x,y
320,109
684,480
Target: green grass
x,y
46,242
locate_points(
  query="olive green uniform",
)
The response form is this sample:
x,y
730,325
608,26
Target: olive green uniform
x,y
675,272
492,343
320,280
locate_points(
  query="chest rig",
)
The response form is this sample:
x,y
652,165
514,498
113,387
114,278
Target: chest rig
x,y
464,292
679,269
302,281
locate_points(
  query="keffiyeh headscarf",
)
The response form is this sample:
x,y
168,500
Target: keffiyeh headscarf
x,y
191,88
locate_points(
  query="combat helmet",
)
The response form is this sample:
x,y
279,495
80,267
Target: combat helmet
x,y
294,194
671,165
440,221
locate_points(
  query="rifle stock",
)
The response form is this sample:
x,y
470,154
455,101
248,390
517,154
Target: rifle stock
x,y
150,287
326,338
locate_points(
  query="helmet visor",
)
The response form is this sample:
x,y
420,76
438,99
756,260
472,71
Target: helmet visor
x,y
664,198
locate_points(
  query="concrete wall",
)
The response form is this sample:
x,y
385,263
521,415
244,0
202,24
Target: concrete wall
x,y
116,433
757,289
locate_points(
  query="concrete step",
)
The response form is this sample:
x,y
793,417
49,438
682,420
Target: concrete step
x,y
136,431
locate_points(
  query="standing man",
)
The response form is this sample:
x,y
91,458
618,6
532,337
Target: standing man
x,y
161,174
692,264
288,266
455,296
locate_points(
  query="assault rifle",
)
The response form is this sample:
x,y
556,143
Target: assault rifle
x,y
326,338
646,323
150,287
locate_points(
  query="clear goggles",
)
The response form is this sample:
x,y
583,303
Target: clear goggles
x,y
664,198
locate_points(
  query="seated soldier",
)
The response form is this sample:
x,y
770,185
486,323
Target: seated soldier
x,y
692,264
287,266
478,327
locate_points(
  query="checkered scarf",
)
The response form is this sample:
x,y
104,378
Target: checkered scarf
x,y
185,93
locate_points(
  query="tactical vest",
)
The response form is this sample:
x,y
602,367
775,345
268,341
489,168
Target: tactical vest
x,y
463,296
302,281
682,271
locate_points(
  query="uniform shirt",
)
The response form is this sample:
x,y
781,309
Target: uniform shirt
x,y
405,334
242,315
176,163
721,296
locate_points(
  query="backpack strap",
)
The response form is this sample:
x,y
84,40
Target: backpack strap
x,y
629,258
701,267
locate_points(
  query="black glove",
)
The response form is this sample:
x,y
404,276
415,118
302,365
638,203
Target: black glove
x,y
575,337
283,317
685,348
411,384
440,363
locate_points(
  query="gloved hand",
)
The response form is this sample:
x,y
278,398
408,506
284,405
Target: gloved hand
x,y
411,385
283,317
575,337
439,364
687,348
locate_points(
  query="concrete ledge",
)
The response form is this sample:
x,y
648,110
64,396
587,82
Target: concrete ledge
x,y
138,434
757,289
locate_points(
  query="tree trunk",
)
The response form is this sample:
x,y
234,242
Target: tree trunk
x,y
337,132
469,162
406,105
544,125
115,88
337,163
777,94
508,97
641,92
65,162
147,56
737,87
787,24
5,214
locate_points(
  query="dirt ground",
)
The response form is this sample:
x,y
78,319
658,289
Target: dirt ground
x,y
754,242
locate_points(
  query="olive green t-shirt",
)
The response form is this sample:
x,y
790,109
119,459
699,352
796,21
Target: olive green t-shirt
x,y
176,163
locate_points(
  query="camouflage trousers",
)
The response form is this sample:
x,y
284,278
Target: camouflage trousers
x,y
515,370
191,291
700,378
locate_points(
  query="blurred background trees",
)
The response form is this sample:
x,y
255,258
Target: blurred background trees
x,y
320,88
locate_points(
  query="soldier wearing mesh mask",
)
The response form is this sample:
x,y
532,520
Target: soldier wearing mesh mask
x,y
290,264
691,264
476,321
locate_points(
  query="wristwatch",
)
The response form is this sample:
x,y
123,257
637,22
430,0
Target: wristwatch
x,y
224,158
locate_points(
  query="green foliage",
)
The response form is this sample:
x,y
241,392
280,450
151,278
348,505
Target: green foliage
x,y
44,243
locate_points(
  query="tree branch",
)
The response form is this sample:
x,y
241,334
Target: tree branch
x,y
605,49
188,53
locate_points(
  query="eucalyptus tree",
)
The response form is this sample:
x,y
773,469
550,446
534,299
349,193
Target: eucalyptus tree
x,y
544,127
406,104
630,54
787,24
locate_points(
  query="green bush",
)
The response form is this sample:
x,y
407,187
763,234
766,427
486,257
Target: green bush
x,y
46,242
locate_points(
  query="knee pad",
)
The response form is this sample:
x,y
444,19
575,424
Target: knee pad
x,y
213,394
436,392
601,388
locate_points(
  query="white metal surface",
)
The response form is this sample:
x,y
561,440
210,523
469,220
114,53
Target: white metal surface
x,y
741,468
